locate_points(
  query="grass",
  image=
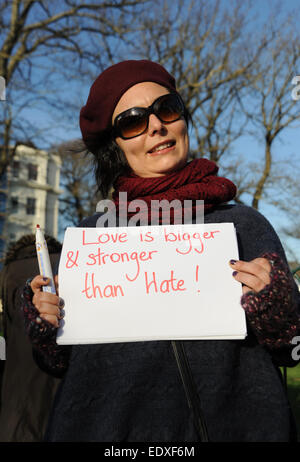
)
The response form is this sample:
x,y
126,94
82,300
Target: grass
x,y
293,385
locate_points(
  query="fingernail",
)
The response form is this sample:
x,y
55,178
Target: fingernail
x,y
45,279
234,273
232,262
61,303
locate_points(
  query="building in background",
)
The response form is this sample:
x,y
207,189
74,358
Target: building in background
x,y
29,195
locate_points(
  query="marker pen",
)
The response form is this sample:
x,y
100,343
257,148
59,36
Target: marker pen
x,y
44,259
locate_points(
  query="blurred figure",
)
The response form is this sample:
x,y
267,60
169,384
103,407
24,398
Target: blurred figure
x,y
27,392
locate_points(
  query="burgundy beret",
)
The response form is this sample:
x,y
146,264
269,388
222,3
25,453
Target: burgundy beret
x,y
110,85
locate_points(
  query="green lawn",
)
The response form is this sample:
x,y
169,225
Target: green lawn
x,y
293,381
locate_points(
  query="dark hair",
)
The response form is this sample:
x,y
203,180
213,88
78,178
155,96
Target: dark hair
x,y
109,162
25,247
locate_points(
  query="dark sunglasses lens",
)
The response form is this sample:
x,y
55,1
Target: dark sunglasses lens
x,y
134,122
132,125
169,109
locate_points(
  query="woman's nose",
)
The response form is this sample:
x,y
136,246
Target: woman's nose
x,y
155,125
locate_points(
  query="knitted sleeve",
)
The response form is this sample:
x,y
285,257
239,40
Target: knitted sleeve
x,y
50,357
274,312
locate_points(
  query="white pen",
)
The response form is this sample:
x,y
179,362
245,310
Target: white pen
x,y
44,259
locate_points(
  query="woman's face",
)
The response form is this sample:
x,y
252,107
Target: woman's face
x,y
142,153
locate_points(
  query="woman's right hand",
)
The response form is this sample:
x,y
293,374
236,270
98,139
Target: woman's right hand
x,y
48,305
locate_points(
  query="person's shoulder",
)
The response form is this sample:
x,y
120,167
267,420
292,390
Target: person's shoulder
x,y
250,216
247,220
91,221
237,213
255,233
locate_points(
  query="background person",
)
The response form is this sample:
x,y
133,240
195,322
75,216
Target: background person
x,y
26,392
136,125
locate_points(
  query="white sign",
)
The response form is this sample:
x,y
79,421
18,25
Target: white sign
x,y
150,283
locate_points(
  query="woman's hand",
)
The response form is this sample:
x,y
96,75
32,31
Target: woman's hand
x,y
254,275
49,305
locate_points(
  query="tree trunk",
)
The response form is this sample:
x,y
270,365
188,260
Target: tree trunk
x,y
265,174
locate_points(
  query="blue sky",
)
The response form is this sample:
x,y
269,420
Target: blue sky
x,y
54,133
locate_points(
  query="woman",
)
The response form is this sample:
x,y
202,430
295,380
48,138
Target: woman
x,y
136,125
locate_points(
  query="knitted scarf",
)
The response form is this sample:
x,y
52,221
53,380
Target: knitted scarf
x,y
196,181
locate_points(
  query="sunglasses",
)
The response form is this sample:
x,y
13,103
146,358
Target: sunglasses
x,y
134,122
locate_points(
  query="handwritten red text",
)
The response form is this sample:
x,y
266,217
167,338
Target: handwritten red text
x,y
92,290
101,258
188,238
164,286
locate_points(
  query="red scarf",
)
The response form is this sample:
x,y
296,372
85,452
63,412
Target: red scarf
x,y
197,180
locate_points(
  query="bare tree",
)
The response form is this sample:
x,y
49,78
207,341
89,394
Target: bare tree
x,y
208,47
44,46
203,57
219,63
80,195
233,80
35,33
270,107
234,70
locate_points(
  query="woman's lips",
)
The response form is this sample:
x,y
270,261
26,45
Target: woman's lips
x,y
162,148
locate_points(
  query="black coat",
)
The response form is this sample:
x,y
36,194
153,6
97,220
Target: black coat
x,y
27,392
133,392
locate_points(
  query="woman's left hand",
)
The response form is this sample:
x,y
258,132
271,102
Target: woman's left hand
x,y
254,275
